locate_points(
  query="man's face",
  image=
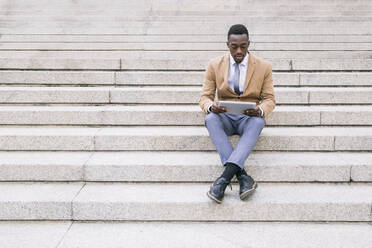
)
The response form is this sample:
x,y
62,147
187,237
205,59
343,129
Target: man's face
x,y
238,45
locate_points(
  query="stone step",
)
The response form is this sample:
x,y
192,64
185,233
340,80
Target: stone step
x,y
150,115
182,166
255,38
150,6
176,202
37,201
178,139
67,234
173,95
242,17
283,95
171,4
284,202
164,12
176,64
182,55
186,27
221,46
135,78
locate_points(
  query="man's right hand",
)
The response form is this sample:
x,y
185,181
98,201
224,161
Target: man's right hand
x,y
216,109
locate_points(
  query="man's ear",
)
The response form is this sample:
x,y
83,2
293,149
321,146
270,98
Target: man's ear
x,y
249,42
227,44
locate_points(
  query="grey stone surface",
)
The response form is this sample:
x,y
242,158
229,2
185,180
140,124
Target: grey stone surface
x,y
171,6
214,234
37,201
174,94
46,138
121,38
42,166
186,27
336,78
56,77
186,78
332,64
54,95
186,64
146,115
176,64
362,172
353,141
346,115
193,138
341,95
59,63
20,234
44,115
205,16
159,78
155,94
295,116
205,166
181,55
270,202
153,115
283,95
183,46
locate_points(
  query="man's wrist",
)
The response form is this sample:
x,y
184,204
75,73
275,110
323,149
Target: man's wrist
x,y
210,108
261,111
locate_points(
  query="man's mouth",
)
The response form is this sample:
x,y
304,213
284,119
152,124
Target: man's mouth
x,y
240,56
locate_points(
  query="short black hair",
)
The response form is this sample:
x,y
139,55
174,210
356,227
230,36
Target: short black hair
x,y
237,29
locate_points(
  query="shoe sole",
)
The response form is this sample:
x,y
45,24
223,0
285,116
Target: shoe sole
x,y
213,198
247,193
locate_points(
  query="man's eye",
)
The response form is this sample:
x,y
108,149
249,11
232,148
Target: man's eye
x,y
234,47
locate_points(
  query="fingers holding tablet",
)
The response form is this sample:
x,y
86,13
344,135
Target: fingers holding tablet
x,y
218,109
253,112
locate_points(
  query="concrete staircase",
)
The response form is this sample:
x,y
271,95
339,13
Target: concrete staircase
x,y
102,143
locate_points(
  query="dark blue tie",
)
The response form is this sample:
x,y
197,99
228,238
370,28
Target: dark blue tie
x,y
236,79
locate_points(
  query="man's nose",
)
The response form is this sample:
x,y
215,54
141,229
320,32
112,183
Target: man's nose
x,y
239,50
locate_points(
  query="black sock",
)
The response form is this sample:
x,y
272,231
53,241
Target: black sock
x,y
230,170
241,172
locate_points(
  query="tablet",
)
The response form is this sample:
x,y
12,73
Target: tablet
x,y
236,107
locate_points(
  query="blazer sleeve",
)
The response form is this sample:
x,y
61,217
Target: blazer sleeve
x,y
209,89
267,92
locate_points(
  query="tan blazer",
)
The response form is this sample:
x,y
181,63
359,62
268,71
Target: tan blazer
x,y
258,85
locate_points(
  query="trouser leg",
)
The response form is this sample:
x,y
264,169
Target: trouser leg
x,y
249,129
219,127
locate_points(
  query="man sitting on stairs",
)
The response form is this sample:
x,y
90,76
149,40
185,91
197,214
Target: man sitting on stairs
x,y
237,76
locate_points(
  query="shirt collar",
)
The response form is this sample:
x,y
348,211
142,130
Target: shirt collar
x,y
244,62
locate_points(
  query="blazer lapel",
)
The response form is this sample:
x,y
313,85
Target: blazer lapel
x,y
226,68
251,67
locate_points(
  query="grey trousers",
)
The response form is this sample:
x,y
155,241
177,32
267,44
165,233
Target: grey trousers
x,y
220,126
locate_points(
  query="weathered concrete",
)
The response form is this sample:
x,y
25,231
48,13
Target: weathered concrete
x,y
271,202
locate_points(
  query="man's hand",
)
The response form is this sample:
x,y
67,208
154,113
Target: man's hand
x,y
253,112
217,110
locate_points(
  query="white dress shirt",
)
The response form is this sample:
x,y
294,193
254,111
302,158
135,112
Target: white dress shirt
x,y
243,66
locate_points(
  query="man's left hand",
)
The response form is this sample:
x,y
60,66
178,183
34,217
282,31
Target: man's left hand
x,y
253,112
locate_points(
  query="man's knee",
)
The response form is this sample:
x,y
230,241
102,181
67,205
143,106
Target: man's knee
x,y
212,118
257,122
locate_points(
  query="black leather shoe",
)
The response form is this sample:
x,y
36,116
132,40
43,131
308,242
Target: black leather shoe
x,y
247,186
217,190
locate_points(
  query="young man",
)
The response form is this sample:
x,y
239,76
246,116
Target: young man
x,y
237,76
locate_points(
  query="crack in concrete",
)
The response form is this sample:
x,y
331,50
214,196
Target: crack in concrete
x,y
350,174
64,235
84,166
73,199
